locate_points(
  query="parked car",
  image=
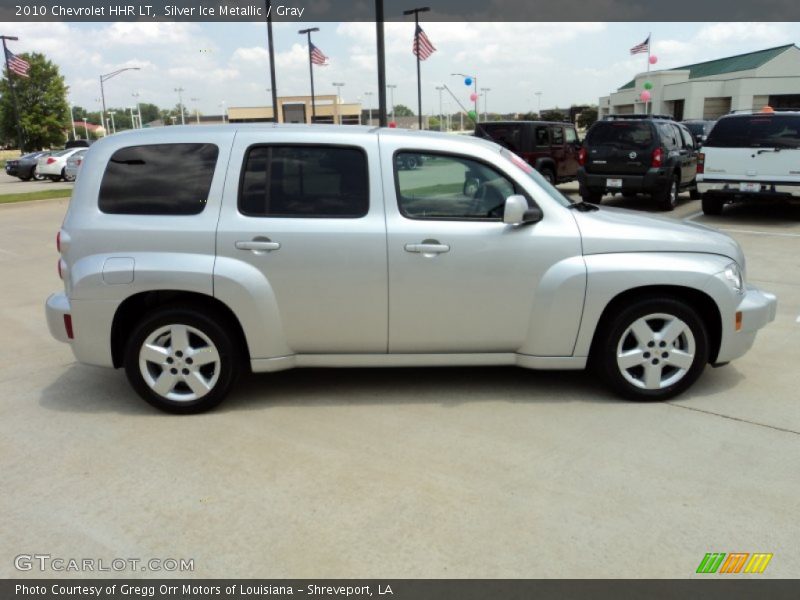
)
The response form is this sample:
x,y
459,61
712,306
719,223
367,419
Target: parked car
x,y
699,128
752,155
549,147
289,246
53,166
73,165
24,166
632,154
77,144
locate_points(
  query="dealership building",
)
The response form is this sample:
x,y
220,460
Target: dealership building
x,y
711,89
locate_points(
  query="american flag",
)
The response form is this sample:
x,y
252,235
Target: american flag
x,y
17,65
643,47
422,45
317,57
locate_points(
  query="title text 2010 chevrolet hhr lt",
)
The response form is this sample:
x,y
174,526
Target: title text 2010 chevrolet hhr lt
x,y
191,253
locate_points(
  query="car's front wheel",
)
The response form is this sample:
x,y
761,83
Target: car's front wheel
x,y
652,350
668,197
181,360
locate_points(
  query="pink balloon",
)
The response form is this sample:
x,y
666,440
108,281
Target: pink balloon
x,y
645,96
473,96
653,60
392,124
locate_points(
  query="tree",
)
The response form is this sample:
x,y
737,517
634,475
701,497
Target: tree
x,y
150,112
42,102
553,115
401,110
587,118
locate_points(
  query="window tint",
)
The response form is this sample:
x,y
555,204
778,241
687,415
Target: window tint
x,y
571,136
450,187
621,133
752,131
669,135
160,179
305,181
688,140
507,135
558,136
542,136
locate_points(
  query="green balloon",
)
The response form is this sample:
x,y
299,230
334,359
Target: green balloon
x,y
648,85
472,115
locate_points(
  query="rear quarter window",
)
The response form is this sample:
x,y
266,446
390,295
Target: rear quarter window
x,y
158,179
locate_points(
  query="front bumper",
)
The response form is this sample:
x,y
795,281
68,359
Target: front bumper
x,y
56,308
757,308
653,180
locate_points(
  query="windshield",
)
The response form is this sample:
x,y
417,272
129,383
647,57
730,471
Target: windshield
x,y
551,190
756,131
621,133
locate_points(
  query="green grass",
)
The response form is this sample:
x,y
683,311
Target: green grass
x,y
43,195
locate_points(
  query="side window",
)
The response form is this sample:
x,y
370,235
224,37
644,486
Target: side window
x,y
668,136
304,181
159,179
571,135
688,141
450,187
558,136
543,136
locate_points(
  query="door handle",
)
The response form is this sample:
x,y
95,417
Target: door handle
x,y
428,248
258,245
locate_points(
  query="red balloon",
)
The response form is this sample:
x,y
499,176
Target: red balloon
x,y
392,124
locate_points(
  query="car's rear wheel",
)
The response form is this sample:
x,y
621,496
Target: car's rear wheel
x,y
652,350
712,205
38,177
181,360
591,196
668,197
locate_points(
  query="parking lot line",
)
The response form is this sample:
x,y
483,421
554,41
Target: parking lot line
x,y
754,232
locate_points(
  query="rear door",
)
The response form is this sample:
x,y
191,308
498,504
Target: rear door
x,y
621,147
571,148
688,155
557,150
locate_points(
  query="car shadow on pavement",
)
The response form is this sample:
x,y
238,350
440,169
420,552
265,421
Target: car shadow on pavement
x,y
644,203
85,389
759,213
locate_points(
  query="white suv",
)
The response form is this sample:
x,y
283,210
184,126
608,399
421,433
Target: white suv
x,y
274,247
750,155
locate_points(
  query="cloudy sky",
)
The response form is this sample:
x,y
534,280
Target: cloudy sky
x,y
215,62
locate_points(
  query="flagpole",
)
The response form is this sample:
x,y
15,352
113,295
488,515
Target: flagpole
x,y
649,43
271,52
415,12
20,140
311,70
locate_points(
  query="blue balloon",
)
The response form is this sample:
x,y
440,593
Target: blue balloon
x,y
468,81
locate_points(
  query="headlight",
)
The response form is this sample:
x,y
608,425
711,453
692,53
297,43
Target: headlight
x,y
735,277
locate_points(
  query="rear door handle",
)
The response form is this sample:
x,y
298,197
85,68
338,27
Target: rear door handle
x,y
428,248
258,245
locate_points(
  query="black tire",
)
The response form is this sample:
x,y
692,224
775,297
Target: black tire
x,y
591,196
616,336
38,177
712,205
548,174
668,197
219,376
28,178
694,193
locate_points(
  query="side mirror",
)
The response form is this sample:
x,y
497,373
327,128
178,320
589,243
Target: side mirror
x,y
517,211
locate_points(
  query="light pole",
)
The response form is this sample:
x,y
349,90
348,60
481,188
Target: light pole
x,y
72,119
196,110
224,113
391,87
539,104
475,90
180,91
369,107
338,87
138,108
486,102
441,89
133,118
111,114
106,77
85,128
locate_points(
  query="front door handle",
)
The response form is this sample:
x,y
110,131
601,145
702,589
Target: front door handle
x,y
258,245
428,247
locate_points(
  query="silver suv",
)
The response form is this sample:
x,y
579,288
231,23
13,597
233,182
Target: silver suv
x,y
191,253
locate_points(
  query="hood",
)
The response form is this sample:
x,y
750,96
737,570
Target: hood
x,y
619,230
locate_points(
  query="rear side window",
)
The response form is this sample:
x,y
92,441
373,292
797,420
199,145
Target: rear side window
x,y
159,179
558,136
542,136
754,131
621,133
305,181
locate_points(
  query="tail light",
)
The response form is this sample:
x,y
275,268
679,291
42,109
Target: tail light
x,y
51,160
58,241
78,161
60,269
658,158
582,157
701,163
68,326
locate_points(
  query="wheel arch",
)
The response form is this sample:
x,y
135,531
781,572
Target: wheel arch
x,y
706,308
135,307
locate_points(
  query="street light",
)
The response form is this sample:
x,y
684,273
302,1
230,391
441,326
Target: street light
x,y
111,114
338,87
133,118
196,110
441,89
106,77
369,107
180,91
475,85
391,88
72,119
224,114
86,128
485,102
138,108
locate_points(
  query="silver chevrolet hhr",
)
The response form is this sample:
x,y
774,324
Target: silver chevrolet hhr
x,y
191,253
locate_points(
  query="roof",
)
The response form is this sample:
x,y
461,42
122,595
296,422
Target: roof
x,y
731,64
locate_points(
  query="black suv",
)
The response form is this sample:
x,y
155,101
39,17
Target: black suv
x,y
630,154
